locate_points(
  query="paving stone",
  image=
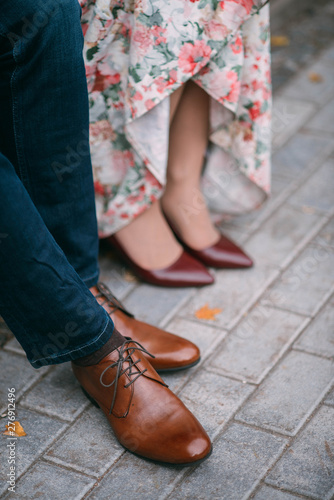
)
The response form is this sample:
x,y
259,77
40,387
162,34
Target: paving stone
x,y
267,493
13,346
328,55
41,431
302,87
45,481
306,283
257,343
323,120
89,446
330,398
58,394
18,373
281,235
214,399
5,333
289,395
301,152
133,476
318,191
241,227
326,236
115,275
152,304
237,234
288,116
319,335
234,291
204,336
308,466
239,459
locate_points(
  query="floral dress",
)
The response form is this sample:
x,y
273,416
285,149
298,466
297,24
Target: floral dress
x,y
138,52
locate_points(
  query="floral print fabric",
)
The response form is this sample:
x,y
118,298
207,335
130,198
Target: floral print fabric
x,y
137,52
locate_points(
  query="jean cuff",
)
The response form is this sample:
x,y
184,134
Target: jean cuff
x,y
78,352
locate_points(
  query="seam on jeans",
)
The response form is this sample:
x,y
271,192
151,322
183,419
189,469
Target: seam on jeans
x,y
18,142
90,277
58,356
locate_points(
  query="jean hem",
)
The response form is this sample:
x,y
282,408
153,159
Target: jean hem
x,y
91,280
78,352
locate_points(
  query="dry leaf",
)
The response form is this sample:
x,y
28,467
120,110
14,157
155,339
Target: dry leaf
x,y
315,77
206,313
19,431
280,41
129,277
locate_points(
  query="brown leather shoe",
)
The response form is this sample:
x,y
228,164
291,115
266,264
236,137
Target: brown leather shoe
x,y
146,417
170,351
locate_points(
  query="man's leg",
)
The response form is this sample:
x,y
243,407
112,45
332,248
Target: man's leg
x,y
44,132
44,117
51,311
44,121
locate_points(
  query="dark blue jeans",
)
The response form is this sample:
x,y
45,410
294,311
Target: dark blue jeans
x,y
48,229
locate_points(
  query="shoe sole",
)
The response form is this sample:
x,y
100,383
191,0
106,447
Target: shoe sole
x,y
177,369
166,464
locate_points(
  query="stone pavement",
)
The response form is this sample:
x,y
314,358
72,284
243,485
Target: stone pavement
x,y
264,389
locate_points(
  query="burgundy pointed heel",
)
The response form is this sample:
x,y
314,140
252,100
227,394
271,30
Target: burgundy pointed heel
x,y
224,254
186,271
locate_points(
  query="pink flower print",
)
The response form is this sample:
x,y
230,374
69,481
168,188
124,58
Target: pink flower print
x,y
215,30
237,46
158,33
193,56
143,39
255,110
149,104
246,4
102,82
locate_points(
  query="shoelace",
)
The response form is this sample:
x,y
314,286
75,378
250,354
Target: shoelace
x,y
120,371
110,299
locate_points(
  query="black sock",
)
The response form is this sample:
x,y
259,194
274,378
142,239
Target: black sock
x,y
115,341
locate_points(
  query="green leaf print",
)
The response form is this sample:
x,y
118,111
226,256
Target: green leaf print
x,y
134,74
163,49
237,69
154,20
155,71
91,52
213,3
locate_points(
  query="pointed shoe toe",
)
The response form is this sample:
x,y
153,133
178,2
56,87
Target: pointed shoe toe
x,y
186,271
224,254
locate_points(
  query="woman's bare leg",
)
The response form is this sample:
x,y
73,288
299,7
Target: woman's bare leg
x,y
155,246
149,241
183,201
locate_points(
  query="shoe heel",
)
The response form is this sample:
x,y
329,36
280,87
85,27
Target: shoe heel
x,y
90,398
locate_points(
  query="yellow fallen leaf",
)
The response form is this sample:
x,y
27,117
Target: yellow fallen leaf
x,y
18,432
206,313
129,277
280,41
315,77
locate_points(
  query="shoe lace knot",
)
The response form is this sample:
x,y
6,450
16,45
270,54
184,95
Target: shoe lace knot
x,y
109,298
132,369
